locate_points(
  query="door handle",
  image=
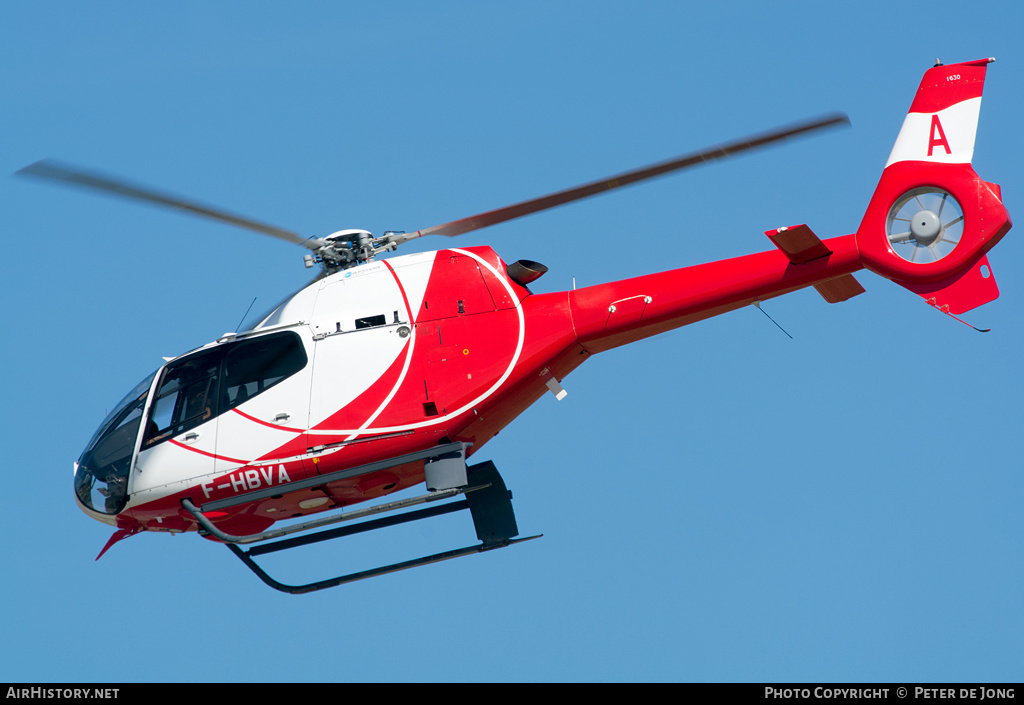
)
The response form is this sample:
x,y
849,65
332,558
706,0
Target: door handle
x,y
282,417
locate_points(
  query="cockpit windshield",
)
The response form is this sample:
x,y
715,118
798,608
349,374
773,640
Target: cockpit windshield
x,y
101,474
192,390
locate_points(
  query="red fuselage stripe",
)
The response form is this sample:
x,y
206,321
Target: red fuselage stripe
x,y
208,455
265,423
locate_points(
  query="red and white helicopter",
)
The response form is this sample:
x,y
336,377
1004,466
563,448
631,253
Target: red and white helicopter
x,y
382,375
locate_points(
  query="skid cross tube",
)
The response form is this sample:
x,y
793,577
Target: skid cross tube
x,y
487,498
211,529
370,525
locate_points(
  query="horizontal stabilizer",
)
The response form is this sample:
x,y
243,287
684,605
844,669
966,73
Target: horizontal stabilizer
x,y
839,289
801,245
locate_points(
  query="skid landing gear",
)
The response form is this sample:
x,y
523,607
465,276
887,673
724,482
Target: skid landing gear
x,y
486,497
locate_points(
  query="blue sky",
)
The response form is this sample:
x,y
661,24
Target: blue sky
x,y
721,503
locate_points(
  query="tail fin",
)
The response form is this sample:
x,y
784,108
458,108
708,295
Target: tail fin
x,y
932,219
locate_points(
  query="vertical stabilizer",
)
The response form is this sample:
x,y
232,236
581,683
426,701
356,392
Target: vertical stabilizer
x,y
932,219
943,119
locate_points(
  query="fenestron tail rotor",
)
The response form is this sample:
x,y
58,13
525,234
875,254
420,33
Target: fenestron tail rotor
x,y
924,225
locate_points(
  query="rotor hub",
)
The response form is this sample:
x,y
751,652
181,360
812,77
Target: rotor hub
x,y
926,227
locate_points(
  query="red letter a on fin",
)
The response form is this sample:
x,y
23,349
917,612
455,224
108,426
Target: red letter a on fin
x,y
939,141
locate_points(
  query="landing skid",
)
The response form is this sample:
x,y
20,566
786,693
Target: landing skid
x,y
486,496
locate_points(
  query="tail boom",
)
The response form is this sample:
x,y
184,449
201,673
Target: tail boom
x,y
929,203
613,314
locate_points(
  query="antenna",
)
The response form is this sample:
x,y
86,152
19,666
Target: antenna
x,y
757,305
945,310
246,313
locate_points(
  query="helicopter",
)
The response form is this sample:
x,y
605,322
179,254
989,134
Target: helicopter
x,y
385,374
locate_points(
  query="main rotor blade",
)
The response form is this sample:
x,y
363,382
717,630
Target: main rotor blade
x,y
500,215
48,169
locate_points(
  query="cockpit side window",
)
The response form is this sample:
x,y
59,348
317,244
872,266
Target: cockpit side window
x,y
253,366
198,388
185,397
